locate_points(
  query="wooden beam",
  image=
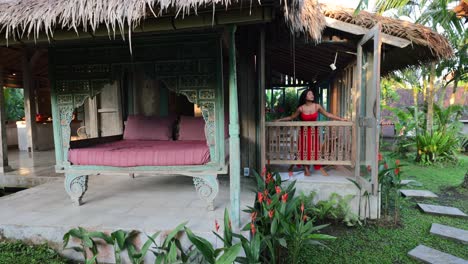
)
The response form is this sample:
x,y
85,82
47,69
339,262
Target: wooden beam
x,y
29,102
261,88
4,167
234,141
358,30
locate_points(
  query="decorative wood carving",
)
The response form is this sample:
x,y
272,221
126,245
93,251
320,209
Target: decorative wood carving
x,y
76,186
207,188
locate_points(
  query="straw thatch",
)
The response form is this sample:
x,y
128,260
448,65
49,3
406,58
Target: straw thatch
x,y
305,17
20,18
30,17
417,34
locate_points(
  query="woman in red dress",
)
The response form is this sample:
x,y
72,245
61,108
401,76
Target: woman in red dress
x,y
308,110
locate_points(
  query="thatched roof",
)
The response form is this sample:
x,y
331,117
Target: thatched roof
x,y
20,18
31,17
417,34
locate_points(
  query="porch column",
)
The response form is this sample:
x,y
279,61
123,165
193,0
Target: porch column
x,y
3,138
234,148
29,102
261,98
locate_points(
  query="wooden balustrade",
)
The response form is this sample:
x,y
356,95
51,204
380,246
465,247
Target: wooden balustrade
x,y
329,142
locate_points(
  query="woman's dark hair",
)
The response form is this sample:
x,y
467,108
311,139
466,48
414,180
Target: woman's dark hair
x,y
302,98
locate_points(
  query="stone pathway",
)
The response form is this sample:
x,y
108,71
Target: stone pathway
x,y
430,255
449,232
406,182
433,256
418,193
441,210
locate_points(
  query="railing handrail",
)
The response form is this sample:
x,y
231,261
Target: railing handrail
x,y
308,123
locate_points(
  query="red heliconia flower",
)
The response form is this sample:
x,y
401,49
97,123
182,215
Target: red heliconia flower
x,y
268,178
253,216
284,197
268,201
260,197
380,157
369,168
271,213
397,171
385,166
397,162
290,173
278,189
263,172
252,229
216,225
302,207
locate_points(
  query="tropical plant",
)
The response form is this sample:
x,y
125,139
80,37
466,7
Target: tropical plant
x,y
88,242
437,147
14,103
279,218
390,173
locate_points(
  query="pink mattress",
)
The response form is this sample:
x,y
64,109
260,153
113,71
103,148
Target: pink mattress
x,y
130,153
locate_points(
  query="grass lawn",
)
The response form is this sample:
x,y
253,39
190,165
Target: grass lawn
x,y
378,244
20,253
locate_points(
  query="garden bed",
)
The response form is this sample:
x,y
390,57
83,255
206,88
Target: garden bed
x,y
380,243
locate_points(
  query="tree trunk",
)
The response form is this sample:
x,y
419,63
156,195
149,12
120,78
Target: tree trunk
x,y
465,181
415,101
430,100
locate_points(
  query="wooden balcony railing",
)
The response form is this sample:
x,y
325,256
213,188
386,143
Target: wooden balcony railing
x,y
325,143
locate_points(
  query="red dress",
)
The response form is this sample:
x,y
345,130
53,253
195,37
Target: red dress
x,y
311,141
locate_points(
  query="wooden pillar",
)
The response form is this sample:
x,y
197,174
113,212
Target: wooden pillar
x,y
29,107
3,138
234,141
247,94
261,84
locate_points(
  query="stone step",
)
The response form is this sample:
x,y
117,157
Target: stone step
x,y
441,210
411,182
449,232
433,256
405,182
419,193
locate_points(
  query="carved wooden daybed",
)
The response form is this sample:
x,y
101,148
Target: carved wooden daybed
x,y
187,67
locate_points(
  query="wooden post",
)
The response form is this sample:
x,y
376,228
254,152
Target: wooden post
x,y
29,108
234,141
261,84
3,138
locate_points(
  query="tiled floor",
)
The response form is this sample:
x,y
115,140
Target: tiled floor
x,y
29,169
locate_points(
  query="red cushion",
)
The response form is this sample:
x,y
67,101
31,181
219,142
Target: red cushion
x,y
148,128
192,128
131,153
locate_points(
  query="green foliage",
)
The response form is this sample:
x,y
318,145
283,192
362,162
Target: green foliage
x,y
439,147
335,209
279,218
14,103
170,250
88,242
20,253
280,106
